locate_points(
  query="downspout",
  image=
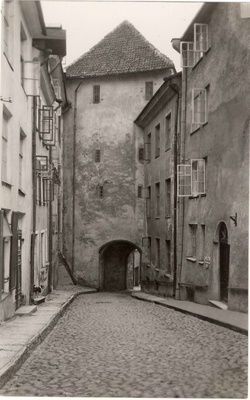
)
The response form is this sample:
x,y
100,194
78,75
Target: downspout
x,y
50,280
175,282
74,178
182,158
33,235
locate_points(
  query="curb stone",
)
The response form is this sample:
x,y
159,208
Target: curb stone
x,y
199,316
24,353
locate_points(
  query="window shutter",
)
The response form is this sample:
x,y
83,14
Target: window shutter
x,y
147,151
201,37
46,124
184,180
198,176
141,154
187,54
199,106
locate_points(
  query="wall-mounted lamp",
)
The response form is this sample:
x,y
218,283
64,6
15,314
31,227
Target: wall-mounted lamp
x,y
234,219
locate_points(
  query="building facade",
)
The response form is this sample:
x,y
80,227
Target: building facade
x,y
159,124
214,160
104,216
28,119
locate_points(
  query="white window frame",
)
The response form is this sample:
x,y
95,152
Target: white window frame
x,y
199,106
191,182
187,54
201,38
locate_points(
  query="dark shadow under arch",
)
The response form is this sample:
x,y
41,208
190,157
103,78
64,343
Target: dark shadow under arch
x,y
113,264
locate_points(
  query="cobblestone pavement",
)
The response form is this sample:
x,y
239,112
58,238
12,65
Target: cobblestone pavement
x,y
111,345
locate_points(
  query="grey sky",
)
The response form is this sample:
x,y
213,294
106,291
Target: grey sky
x,y
87,23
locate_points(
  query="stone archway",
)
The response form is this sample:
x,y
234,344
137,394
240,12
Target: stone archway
x,y
113,261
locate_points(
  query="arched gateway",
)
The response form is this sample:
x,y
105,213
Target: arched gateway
x,y
118,261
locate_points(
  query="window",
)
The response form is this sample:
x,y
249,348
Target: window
x,y
21,161
148,203
200,37
167,197
187,54
48,191
199,107
101,191
192,52
96,94
39,188
8,29
202,243
4,148
157,199
139,191
193,240
149,249
191,178
198,177
157,140
97,155
141,154
6,144
157,253
168,131
147,147
23,43
168,256
148,90
43,257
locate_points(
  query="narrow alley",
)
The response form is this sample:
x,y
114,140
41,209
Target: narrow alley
x,y
112,345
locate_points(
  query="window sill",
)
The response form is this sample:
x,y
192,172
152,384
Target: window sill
x,y
199,127
21,193
168,148
198,62
197,196
157,270
157,217
168,216
192,259
201,262
8,185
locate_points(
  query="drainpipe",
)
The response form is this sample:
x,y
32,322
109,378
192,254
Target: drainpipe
x,y
74,178
50,225
182,157
33,235
176,90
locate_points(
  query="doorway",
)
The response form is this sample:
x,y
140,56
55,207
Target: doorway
x,y
224,262
116,261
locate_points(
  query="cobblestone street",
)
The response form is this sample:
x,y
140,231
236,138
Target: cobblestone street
x,y
111,345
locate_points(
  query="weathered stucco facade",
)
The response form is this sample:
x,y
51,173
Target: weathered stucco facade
x,y
159,122
108,127
103,216
213,263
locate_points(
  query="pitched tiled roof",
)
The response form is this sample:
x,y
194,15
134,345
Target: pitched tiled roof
x,y
122,51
